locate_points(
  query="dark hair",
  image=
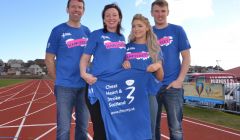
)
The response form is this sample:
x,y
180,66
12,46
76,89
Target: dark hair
x,y
78,1
106,7
160,3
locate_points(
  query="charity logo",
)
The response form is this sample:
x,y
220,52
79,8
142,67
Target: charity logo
x,y
110,45
71,43
105,37
165,41
137,55
66,34
129,82
130,87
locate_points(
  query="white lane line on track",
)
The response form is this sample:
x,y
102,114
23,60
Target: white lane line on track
x,y
24,96
52,91
47,94
166,137
48,86
44,134
73,116
89,136
5,96
208,126
15,94
211,127
29,95
162,135
26,113
11,88
47,132
29,125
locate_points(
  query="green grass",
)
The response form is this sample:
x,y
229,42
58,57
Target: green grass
x,y
213,116
6,82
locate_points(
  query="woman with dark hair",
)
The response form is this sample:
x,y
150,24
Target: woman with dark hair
x,y
107,46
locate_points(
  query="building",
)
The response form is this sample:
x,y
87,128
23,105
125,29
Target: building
x,y
35,69
234,71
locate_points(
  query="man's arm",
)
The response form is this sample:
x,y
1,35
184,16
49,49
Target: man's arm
x,y
50,63
186,59
84,62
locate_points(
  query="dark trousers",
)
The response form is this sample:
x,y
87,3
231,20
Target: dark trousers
x,y
97,121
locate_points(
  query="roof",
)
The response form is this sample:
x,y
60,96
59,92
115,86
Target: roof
x,y
234,71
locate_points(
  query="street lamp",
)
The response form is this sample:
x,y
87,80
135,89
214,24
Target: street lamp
x,y
218,64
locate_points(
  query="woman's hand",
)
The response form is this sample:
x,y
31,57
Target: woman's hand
x,y
89,78
126,64
154,67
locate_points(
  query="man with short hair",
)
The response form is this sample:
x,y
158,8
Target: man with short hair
x,y
174,42
66,44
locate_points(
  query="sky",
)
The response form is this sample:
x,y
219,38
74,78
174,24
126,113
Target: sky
x,y
212,26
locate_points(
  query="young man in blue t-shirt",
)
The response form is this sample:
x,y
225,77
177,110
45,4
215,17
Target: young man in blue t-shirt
x,y
66,44
173,42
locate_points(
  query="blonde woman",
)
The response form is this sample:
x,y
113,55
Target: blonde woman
x,y
143,53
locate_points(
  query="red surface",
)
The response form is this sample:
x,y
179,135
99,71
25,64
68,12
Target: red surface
x,y
29,108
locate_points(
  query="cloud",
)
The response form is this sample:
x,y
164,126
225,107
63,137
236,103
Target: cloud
x,y
219,43
181,10
140,2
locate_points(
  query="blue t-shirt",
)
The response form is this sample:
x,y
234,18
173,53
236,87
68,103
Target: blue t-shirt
x,y
172,40
108,50
123,98
68,43
139,58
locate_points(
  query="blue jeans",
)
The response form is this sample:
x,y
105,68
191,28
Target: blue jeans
x,y
66,99
153,113
172,99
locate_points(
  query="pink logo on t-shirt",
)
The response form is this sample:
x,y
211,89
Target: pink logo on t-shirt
x,y
137,55
111,45
165,41
76,43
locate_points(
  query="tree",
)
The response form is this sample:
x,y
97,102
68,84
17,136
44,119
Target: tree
x,y
1,62
29,63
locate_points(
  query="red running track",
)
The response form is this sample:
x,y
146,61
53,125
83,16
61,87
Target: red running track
x,y
27,111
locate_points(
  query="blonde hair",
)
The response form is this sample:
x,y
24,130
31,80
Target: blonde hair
x,y
152,42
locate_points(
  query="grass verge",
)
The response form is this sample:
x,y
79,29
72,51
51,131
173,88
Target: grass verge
x,y
213,116
7,82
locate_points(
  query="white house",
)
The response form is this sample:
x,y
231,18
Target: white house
x,y
35,69
16,66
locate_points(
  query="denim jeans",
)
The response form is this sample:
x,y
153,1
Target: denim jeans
x,y
172,99
153,113
67,99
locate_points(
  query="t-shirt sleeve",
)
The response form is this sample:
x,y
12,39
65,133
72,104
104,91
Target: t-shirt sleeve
x,y
53,42
87,31
91,44
160,55
91,94
153,85
183,40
